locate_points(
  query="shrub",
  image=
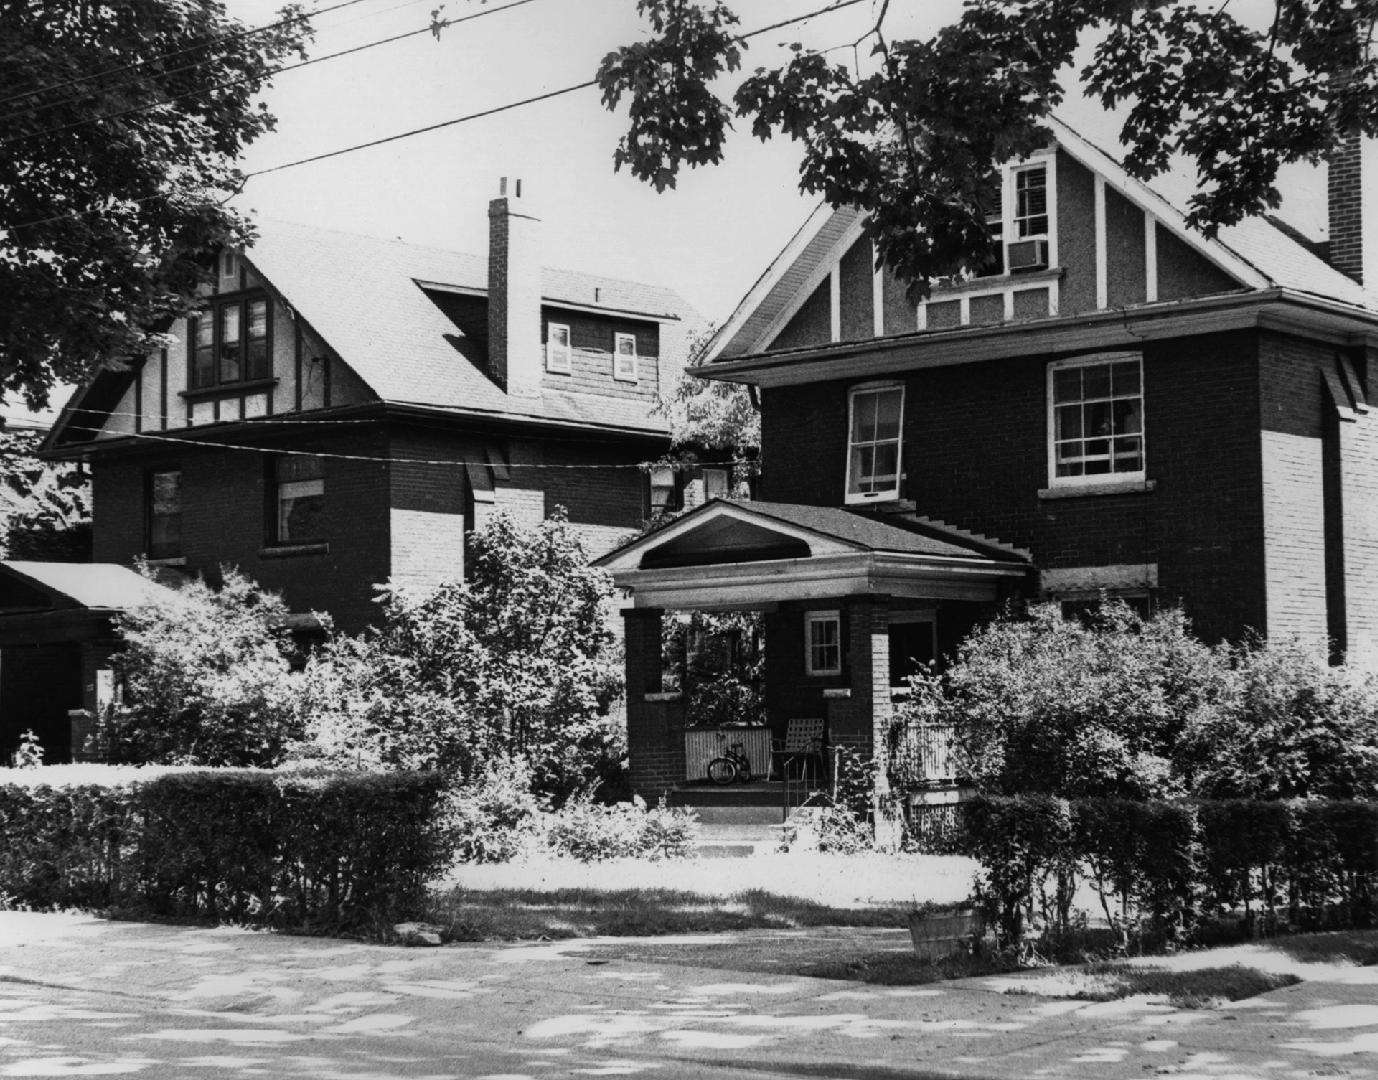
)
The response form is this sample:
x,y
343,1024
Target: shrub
x,y
493,816
301,849
513,663
1071,709
585,830
206,677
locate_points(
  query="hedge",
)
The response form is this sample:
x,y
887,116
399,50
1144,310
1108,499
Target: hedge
x,y
315,850
1160,866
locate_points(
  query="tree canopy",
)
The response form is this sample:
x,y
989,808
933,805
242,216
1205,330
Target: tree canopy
x,y
120,125
913,142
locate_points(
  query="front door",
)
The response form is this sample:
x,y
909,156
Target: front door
x,y
912,643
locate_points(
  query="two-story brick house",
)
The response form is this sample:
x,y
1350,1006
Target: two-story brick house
x,y
1120,405
344,409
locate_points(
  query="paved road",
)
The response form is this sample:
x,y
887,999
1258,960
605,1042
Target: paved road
x,y
82,997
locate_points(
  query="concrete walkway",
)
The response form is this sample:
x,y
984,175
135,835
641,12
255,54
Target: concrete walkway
x,y
82,997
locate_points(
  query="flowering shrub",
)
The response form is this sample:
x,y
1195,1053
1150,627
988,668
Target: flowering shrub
x,y
590,832
493,817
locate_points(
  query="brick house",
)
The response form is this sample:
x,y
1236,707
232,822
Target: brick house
x,y
345,409
1120,405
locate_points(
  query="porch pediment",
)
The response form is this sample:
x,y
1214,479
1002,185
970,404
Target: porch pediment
x,y
730,554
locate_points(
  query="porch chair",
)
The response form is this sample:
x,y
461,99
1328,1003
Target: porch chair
x,y
802,747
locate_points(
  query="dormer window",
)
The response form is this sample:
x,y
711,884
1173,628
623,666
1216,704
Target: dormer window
x,y
229,343
557,348
624,357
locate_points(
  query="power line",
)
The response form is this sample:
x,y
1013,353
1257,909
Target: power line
x,y
149,107
237,35
826,9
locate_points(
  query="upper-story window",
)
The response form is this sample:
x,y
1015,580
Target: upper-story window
x,y
163,525
558,351
1030,202
873,456
624,357
230,342
664,490
1096,419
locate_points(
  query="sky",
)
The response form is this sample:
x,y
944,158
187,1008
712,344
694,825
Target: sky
x,y
708,239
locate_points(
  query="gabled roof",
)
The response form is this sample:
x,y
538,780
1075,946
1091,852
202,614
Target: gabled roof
x,y
364,296
813,530
1258,252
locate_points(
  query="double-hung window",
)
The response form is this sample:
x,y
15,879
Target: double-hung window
x,y
664,490
822,643
1096,419
624,357
298,500
164,522
230,343
1030,202
557,348
873,454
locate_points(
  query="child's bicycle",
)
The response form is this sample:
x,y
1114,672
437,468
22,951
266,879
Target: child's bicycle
x,y
730,766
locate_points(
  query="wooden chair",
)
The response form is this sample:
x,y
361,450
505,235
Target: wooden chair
x,y
802,748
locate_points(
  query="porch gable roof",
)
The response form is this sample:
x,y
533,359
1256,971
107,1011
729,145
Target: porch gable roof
x,y
746,554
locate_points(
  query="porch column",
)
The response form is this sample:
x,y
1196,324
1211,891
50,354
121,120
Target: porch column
x,y
655,728
869,644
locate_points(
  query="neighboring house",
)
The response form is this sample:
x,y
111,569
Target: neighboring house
x,y
345,409
1120,406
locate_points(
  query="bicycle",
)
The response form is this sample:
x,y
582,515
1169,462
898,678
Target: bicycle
x,y
730,766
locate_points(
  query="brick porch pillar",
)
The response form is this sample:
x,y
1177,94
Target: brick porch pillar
x,y
868,643
655,754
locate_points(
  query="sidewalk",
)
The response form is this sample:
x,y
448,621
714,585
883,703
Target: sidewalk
x,y
81,997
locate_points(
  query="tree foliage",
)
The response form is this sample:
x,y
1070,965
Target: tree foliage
x,y
207,678
513,663
913,142
120,124
45,507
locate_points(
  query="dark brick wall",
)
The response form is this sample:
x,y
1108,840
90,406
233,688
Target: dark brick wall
x,y
38,684
975,455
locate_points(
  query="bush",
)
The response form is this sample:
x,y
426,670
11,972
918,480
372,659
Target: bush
x,y
1070,709
590,832
493,817
1158,865
207,679
318,849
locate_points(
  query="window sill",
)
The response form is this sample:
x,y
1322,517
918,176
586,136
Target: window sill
x,y
1110,487
291,551
224,390
170,560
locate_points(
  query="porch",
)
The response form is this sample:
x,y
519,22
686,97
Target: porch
x,y
849,603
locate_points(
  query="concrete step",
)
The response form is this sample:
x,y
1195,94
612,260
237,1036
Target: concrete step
x,y
750,816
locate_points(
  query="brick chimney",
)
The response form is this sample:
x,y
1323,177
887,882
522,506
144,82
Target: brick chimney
x,y
514,293
1353,202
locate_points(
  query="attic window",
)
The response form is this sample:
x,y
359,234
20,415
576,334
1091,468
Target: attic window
x,y
557,348
229,343
624,358
1031,202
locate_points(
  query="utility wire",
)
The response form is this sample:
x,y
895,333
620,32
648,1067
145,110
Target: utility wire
x,y
199,91
839,5
237,35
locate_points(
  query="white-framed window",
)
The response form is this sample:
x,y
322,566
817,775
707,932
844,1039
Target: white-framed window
x,y
875,423
1031,213
715,484
624,357
229,264
664,497
557,348
299,500
1095,419
822,643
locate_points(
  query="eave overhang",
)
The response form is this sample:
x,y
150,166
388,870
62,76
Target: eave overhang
x,y
764,584
1268,309
292,424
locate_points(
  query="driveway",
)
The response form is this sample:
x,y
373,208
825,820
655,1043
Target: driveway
x,y
83,997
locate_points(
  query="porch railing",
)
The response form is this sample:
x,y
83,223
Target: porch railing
x,y
925,754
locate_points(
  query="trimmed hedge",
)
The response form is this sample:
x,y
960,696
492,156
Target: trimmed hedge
x,y
317,850
1159,866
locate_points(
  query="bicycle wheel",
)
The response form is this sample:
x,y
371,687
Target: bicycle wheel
x,y
722,771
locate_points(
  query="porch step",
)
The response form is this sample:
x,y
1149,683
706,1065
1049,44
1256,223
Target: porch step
x,y
736,841
760,793
735,817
